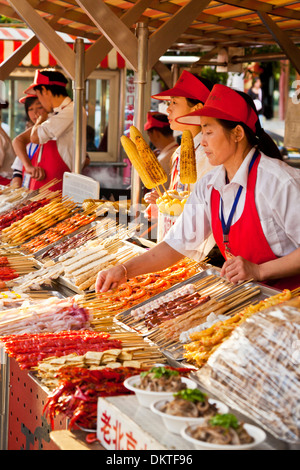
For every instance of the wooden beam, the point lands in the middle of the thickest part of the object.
(291, 50)
(266, 7)
(58, 48)
(16, 57)
(167, 34)
(99, 50)
(164, 73)
(115, 31)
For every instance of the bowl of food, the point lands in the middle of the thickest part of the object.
(188, 406)
(157, 383)
(223, 432)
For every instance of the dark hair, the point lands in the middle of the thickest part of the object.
(192, 102)
(55, 76)
(259, 138)
(166, 130)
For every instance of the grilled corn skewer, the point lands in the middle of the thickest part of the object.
(188, 170)
(133, 155)
(155, 171)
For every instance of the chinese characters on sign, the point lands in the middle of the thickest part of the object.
(117, 432)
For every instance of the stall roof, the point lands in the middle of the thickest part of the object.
(231, 23)
(39, 56)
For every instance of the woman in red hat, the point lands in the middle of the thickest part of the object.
(33, 109)
(249, 203)
(188, 94)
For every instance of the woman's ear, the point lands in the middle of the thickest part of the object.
(239, 133)
(197, 106)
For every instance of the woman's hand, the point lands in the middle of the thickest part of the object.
(238, 269)
(110, 278)
(36, 172)
(151, 197)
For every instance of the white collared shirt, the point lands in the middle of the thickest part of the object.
(277, 198)
(60, 127)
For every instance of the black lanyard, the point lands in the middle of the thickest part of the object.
(226, 225)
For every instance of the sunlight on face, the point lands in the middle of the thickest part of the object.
(178, 106)
(219, 145)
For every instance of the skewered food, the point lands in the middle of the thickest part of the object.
(32, 224)
(143, 159)
(187, 162)
(57, 232)
(205, 342)
(50, 315)
(29, 349)
(17, 214)
(134, 157)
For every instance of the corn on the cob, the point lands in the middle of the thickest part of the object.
(188, 170)
(134, 157)
(155, 171)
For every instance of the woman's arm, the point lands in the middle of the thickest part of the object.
(157, 258)
(238, 269)
(19, 144)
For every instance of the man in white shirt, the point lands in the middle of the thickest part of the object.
(50, 87)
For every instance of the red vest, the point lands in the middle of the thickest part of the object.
(246, 237)
(52, 163)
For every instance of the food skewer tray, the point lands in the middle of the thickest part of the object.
(67, 283)
(40, 252)
(175, 356)
(126, 314)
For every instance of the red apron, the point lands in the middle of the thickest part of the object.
(4, 181)
(52, 163)
(246, 237)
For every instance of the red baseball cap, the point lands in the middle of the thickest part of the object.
(187, 86)
(223, 103)
(154, 121)
(24, 98)
(41, 79)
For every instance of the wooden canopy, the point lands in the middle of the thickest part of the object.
(181, 25)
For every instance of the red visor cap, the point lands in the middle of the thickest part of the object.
(187, 86)
(41, 79)
(24, 98)
(223, 103)
(153, 122)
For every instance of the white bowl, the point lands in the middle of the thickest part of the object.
(258, 435)
(175, 424)
(146, 397)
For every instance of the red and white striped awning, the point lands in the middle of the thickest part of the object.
(12, 38)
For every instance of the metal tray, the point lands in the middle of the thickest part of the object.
(174, 354)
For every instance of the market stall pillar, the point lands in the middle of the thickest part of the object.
(78, 89)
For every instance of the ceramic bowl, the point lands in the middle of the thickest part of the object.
(146, 397)
(258, 435)
(175, 424)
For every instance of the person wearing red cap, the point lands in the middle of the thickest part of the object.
(54, 134)
(33, 109)
(188, 94)
(248, 203)
(161, 136)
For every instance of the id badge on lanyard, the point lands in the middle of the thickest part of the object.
(226, 225)
(27, 177)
